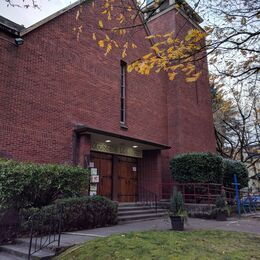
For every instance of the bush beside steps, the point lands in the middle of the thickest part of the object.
(78, 213)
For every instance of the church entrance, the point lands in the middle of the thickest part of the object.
(118, 176)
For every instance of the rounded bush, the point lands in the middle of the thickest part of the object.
(232, 167)
(77, 213)
(197, 167)
(24, 185)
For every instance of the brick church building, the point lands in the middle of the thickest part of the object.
(62, 101)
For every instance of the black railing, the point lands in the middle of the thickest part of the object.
(148, 198)
(45, 228)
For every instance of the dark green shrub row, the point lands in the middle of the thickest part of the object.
(207, 168)
(24, 185)
(77, 213)
(197, 167)
(232, 167)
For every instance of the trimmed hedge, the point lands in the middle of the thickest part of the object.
(24, 185)
(232, 167)
(197, 167)
(78, 213)
(208, 168)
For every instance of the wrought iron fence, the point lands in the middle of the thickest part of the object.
(199, 193)
(45, 229)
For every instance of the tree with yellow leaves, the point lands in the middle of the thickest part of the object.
(167, 53)
(232, 47)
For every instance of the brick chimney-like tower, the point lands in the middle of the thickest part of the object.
(190, 120)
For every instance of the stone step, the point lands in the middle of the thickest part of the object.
(139, 212)
(26, 241)
(148, 216)
(20, 250)
(7, 256)
(123, 208)
(133, 204)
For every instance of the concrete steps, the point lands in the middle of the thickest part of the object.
(7, 256)
(19, 250)
(128, 212)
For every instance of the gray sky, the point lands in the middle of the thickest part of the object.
(29, 16)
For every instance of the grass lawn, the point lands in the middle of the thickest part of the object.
(169, 245)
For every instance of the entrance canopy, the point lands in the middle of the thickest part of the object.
(107, 142)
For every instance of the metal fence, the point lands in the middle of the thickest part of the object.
(45, 229)
(199, 193)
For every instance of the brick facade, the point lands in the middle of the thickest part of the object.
(52, 83)
(190, 121)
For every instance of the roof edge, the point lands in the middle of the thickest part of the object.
(51, 17)
(10, 26)
(81, 129)
(16, 29)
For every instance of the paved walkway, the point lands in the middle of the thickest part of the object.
(250, 225)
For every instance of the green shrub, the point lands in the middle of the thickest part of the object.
(197, 167)
(24, 185)
(221, 206)
(176, 204)
(220, 202)
(78, 213)
(232, 167)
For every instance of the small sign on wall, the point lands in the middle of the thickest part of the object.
(134, 169)
(94, 178)
(93, 171)
(93, 187)
(91, 165)
(92, 193)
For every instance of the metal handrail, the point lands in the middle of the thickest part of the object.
(45, 229)
(149, 198)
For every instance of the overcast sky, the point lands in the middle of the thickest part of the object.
(29, 16)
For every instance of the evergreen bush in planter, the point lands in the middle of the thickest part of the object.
(177, 212)
(221, 211)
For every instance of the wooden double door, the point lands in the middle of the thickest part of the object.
(118, 176)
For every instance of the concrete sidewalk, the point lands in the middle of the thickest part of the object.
(249, 225)
(19, 250)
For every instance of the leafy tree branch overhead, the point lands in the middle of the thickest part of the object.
(232, 44)
(233, 29)
(120, 20)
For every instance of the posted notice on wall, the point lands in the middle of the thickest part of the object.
(94, 178)
(93, 171)
(92, 193)
(93, 187)
(91, 165)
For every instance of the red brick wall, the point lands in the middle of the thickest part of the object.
(150, 177)
(190, 120)
(53, 82)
